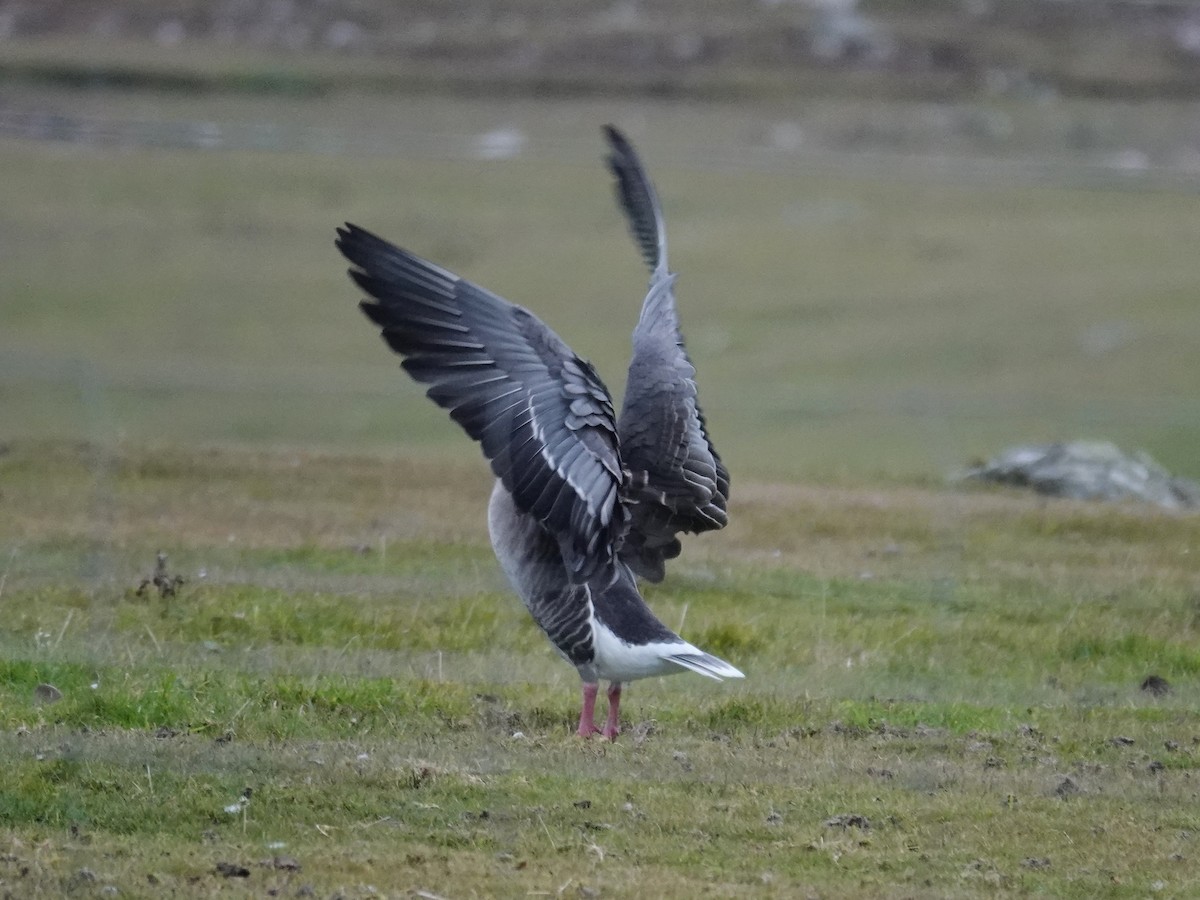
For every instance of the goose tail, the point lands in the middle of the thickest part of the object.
(705, 664)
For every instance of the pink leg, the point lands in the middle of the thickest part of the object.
(587, 717)
(611, 727)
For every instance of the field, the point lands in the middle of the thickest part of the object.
(943, 694)
(851, 315)
(950, 692)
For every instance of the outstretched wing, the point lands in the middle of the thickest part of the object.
(678, 482)
(541, 414)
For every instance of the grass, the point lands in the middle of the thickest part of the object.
(943, 694)
(343, 698)
(847, 322)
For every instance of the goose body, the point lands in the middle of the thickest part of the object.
(584, 503)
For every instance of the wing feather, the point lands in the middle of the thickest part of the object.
(637, 197)
(542, 416)
(678, 482)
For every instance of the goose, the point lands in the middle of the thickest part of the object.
(584, 503)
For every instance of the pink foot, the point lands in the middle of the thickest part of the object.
(612, 725)
(587, 716)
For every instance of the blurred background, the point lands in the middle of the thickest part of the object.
(909, 233)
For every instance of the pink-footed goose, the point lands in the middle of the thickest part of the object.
(583, 501)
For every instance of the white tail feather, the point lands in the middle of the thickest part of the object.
(619, 660)
(705, 664)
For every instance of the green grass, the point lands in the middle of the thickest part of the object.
(846, 324)
(182, 370)
(960, 670)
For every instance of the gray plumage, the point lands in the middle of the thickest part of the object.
(541, 414)
(582, 501)
(677, 477)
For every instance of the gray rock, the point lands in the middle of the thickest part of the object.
(842, 34)
(1089, 470)
(170, 33)
(344, 35)
(46, 693)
